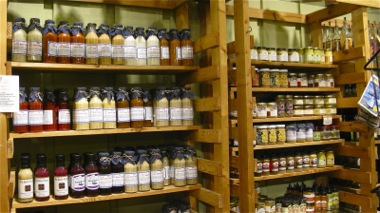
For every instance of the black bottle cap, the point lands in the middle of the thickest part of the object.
(60, 160)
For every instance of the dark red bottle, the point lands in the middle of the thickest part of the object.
(61, 186)
(92, 176)
(117, 170)
(77, 177)
(41, 181)
(105, 177)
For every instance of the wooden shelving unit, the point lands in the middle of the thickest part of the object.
(234, 122)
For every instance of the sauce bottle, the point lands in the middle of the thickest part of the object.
(34, 50)
(77, 47)
(77, 177)
(49, 42)
(143, 169)
(187, 48)
(129, 46)
(95, 109)
(19, 40)
(64, 116)
(187, 98)
(105, 177)
(61, 188)
(130, 172)
(164, 47)
(109, 108)
(156, 169)
(117, 171)
(148, 108)
(25, 180)
(152, 47)
(175, 48)
(81, 112)
(118, 56)
(50, 111)
(175, 107)
(137, 108)
(140, 46)
(104, 46)
(20, 118)
(92, 176)
(63, 46)
(36, 113)
(122, 106)
(41, 181)
(161, 108)
(92, 40)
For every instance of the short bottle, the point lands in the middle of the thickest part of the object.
(25, 180)
(77, 177)
(61, 184)
(92, 176)
(41, 181)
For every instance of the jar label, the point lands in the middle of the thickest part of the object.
(61, 186)
(272, 56)
(165, 52)
(130, 178)
(180, 173)
(291, 135)
(25, 188)
(19, 47)
(266, 167)
(178, 53)
(92, 181)
(77, 182)
(144, 177)
(141, 53)
(308, 111)
(274, 166)
(290, 164)
(48, 117)
(77, 50)
(282, 166)
(130, 52)
(109, 114)
(117, 51)
(187, 113)
(187, 52)
(153, 52)
(96, 114)
(148, 113)
(105, 181)
(162, 113)
(254, 55)
(81, 116)
(166, 172)
(104, 50)
(92, 51)
(330, 162)
(299, 163)
(63, 49)
(36, 117)
(52, 48)
(117, 179)
(123, 115)
(34, 48)
(175, 113)
(64, 116)
(157, 176)
(137, 113)
(330, 101)
(191, 172)
(283, 57)
(263, 55)
(20, 118)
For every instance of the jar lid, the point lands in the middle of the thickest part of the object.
(289, 96)
(298, 107)
(262, 127)
(264, 70)
(280, 125)
(298, 97)
(283, 70)
(309, 106)
(301, 74)
(320, 75)
(311, 76)
(308, 96)
(271, 103)
(329, 74)
(275, 70)
(292, 73)
(272, 126)
(318, 97)
(280, 96)
(330, 96)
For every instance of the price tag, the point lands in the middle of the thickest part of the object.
(327, 120)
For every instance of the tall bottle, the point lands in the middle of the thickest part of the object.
(336, 38)
(164, 46)
(187, 48)
(109, 108)
(95, 108)
(104, 46)
(50, 110)
(61, 184)
(34, 50)
(129, 46)
(123, 110)
(49, 42)
(118, 56)
(175, 107)
(187, 97)
(77, 177)
(77, 46)
(137, 108)
(36, 113)
(324, 36)
(130, 172)
(175, 47)
(81, 114)
(20, 118)
(105, 177)
(148, 108)
(92, 40)
(41, 181)
(346, 38)
(330, 37)
(117, 171)
(152, 47)
(63, 46)
(64, 115)
(92, 176)
(19, 40)
(140, 46)
(25, 180)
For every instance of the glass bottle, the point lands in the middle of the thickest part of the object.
(92, 40)
(49, 42)
(175, 107)
(122, 108)
(92, 176)
(64, 116)
(130, 172)
(129, 46)
(161, 107)
(61, 188)
(191, 166)
(95, 108)
(105, 177)
(41, 181)
(19, 40)
(148, 108)
(164, 47)
(179, 164)
(109, 108)
(63, 46)
(350, 36)
(187, 97)
(77, 177)
(175, 47)
(116, 33)
(36, 113)
(77, 46)
(140, 46)
(104, 46)
(137, 108)
(187, 48)
(152, 47)
(324, 36)
(50, 110)
(34, 50)
(117, 171)
(143, 170)
(156, 169)
(25, 180)
(330, 37)
(346, 38)
(81, 117)
(166, 165)
(20, 118)
(336, 38)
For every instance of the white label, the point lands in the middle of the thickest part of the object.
(104, 50)
(117, 51)
(180, 173)
(171, 172)
(291, 135)
(77, 182)
(42, 187)
(156, 176)
(109, 115)
(165, 52)
(19, 47)
(144, 177)
(162, 113)
(187, 52)
(166, 172)
(77, 50)
(63, 49)
(263, 55)
(137, 113)
(36, 117)
(187, 113)
(301, 134)
(123, 115)
(20, 118)
(141, 53)
(96, 115)
(178, 53)
(25, 189)
(294, 57)
(191, 172)
(105, 181)
(130, 51)
(52, 48)
(92, 181)
(131, 179)
(61, 186)
(81, 116)
(64, 116)
(272, 56)
(254, 55)
(327, 120)
(175, 113)
(92, 51)
(330, 101)
(34, 48)
(117, 179)
(153, 52)
(148, 113)
(48, 117)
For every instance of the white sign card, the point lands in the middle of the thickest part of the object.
(9, 93)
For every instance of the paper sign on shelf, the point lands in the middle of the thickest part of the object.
(327, 120)
(9, 93)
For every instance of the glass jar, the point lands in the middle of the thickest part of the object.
(298, 160)
(161, 107)
(291, 133)
(77, 46)
(325, 134)
(292, 80)
(309, 55)
(314, 159)
(148, 108)
(137, 108)
(175, 105)
(301, 133)
(175, 47)
(34, 50)
(290, 163)
(306, 161)
(272, 54)
(50, 110)
(280, 100)
(36, 113)
(274, 164)
(187, 48)
(274, 78)
(319, 110)
(308, 110)
(187, 98)
(281, 133)
(282, 164)
(272, 134)
(309, 132)
(92, 41)
(330, 99)
(317, 55)
(254, 54)
(20, 118)
(272, 110)
(317, 133)
(321, 159)
(152, 47)
(164, 46)
(156, 169)
(283, 77)
(282, 55)
(262, 137)
(95, 108)
(117, 41)
(308, 100)
(294, 55)
(255, 77)
(122, 108)
(298, 100)
(81, 115)
(262, 110)
(330, 109)
(105, 177)
(266, 166)
(263, 53)
(330, 80)
(19, 40)
(319, 100)
(322, 58)
(49, 42)
(104, 46)
(328, 56)
(310, 81)
(289, 106)
(319, 80)
(302, 56)
(302, 80)
(109, 108)
(298, 111)
(265, 80)
(330, 159)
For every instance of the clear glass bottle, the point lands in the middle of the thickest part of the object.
(92, 41)
(25, 180)
(49, 42)
(161, 107)
(95, 108)
(152, 47)
(109, 108)
(77, 46)
(140, 46)
(34, 50)
(118, 55)
(19, 40)
(336, 38)
(81, 116)
(104, 46)
(129, 46)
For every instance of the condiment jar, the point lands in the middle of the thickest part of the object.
(137, 108)
(282, 164)
(179, 164)
(130, 172)
(122, 108)
(254, 54)
(19, 40)
(290, 163)
(20, 118)
(104, 46)
(272, 134)
(152, 47)
(259, 167)
(42, 180)
(148, 108)
(156, 169)
(319, 100)
(105, 177)
(292, 80)
(298, 111)
(49, 42)
(274, 164)
(50, 110)
(61, 183)
(63, 46)
(175, 107)
(263, 53)
(298, 100)
(117, 172)
(161, 108)
(25, 180)
(143, 169)
(280, 100)
(272, 110)
(92, 175)
(321, 159)
(298, 159)
(81, 115)
(129, 46)
(320, 80)
(308, 110)
(302, 80)
(289, 106)
(34, 50)
(328, 56)
(314, 159)
(109, 108)
(187, 48)
(262, 135)
(291, 133)
(77, 46)
(316, 134)
(95, 109)
(301, 132)
(283, 77)
(281, 133)
(262, 110)
(317, 55)
(92, 41)
(118, 54)
(175, 48)
(36, 113)
(64, 114)
(330, 80)
(309, 132)
(272, 54)
(330, 158)
(266, 166)
(310, 81)
(294, 55)
(191, 166)
(187, 98)
(306, 161)
(164, 38)
(265, 80)
(309, 55)
(330, 99)
(77, 177)
(274, 78)
(282, 55)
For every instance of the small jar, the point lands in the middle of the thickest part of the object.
(330, 159)
(330, 109)
(294, 55)
(272, 54)
(301, 133)
(274, 78)
(283, 77)
(298, 111)
(290, 163)
(255, 77)
(254, 54)
(262, 53)
(317, 55)
(317, 133)
(308, 100)
(314, 159)
(321, 159)
(330, 99)
(270, 205)
(322, 59)
(319, 100)
(335, 132)
(330, 80)
(302, 56)
(274, 164)
(262, 135)
(298, 100)
(281, 133)
(325, 134)
(259, 168)
(266, 166)
(308, 110)
(282, 55)
(310, 81)
(282, 164)
(264, 75)
(262, 110)
(298, 160)
(292, 80)
(289, 106)
(291, 133)
(319, 110)
(328, 56)
(272, 110)
(319, 80)
(302, 80)
(272, 134)
(280, 100)
(309, 55)
(309, 132)
(306, 161)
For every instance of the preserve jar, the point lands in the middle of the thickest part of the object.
(156, 169)
(25, 180)
(19, 40)
(330, 80)
(301, 133)
(175, 47)
(104, 46)
(326, 133)
(281, 133)
(317, 133)
(290, 163)
(309, 132)
(283, 77)
(109, 108)
(317, 55)
(91, 175)
(282, 164)
(330, 109)
(282, 55)
(61, 182)
(191, 166)
(265, 80)
(308, 100)
(117, 172)
(274, 164)
(298, 100)
(34, 50)
(122, 108)
(187, 48)
(298, 111)
(314, 159)
(175, 107)
(302, 80)
(335, 132)
(105, 177)
(262, 110)
(263, 53)
(95, 106)
(49, 42)
(322, 57)
(50, 110)
(77, 46)
(129, 46)
(140, 46)
(92, 41)
(148, 108)
(259, 167)
(81, 117)
(64, 114)
(161, 107)
(306, 161)
(319, 100)
(187, 98)
(137, 107)
(36, 113)
(308, 110)
(280, 100)
(152, 47)
(319, 110)
(272, 110)
(289, 106)
(321, 159)
(130, 172)
(117, 40)
(262, 137)
(254, 54)
(272, 134)
(143, 169)
(63, 45)
(164, 38)
(272, 54)
(274, 78)
(294, 55)
(42, 180)
(266, 165)
(77, 177)
(298, 160)
(20, 118)
(292, 80)
(309, 55)
(291, 133)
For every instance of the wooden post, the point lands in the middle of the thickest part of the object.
(182, 16)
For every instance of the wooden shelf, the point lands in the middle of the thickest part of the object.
(290, 65)
(293, 174)
(53, 202)
(291, 89)
(377, 142)
(101, 131)
(233, 122)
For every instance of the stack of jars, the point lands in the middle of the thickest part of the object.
(305, 80)
(273, 77)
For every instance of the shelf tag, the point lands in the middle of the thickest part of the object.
(9, 93)
(327, 120)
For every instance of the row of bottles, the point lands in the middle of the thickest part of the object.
(337, 39)
(374, 36)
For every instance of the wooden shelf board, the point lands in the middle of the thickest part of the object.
(377, 142)
(292, 145)
(53, 202)
(233, 122)
(288, 64)
(291, 89)
(293, 174)
(101, 131)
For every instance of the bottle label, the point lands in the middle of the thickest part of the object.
(178, 53)
(77, 182)
(130, 179)
(92, 181)
(19, 47)
(42, 187)
(63, 49)
(330, 161)
(36, 117)
(92, 51)
(171, 172)
(48, 117)
(96, 115)
(141, 53)
(137, 113)
(191, 172)
(34, 48)
(157, 176)
(166, 172)
(104, 50)
(64, 116)
(25, 189)
(117, 179)
(290, 164)
(123, 115)
(175, 113)
(144, 177)
(148, 113)
(52, 48)
(130, 52)
(81, 116)
(77, 50)
(165, 52)
(109, 114)
(20, 118)
(117, 51)
(162, 113)
(180, 173)
(61, 186)
(153, 52)
(187, 52)
(187, 113)
(105, 181)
